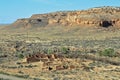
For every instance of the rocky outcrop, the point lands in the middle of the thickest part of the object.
(99, 16)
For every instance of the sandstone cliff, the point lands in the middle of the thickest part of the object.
(98, 17)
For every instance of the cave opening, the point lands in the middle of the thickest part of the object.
(106, 24)
(39, 20)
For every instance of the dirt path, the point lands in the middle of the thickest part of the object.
(10, 77)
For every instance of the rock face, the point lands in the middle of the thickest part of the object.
(99, 16)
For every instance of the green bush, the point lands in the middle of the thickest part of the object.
(36, 79)
(20, 56)
(108, 52)
(4, 79)
(65, 50)
(49, 51)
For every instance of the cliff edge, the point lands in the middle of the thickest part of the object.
(93, 17)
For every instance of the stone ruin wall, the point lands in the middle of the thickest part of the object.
(51, 61)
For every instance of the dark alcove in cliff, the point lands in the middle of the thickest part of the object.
(39, 20)
(106, 24)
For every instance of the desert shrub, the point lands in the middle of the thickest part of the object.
(44, 50)
(65, 50)
(88, 68)
(57, 78)
(20, 56)
(20, 72)
(4, 79)
(29, 66)
(20, 66)
(107, 52)
(3, 73)
(65, 66)
(49, 51)
(18, 63)
(12, 67)
(22, 76)
(37, 79)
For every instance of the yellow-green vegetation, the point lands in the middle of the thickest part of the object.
(108, 52)
(95, 51)
(58, 33)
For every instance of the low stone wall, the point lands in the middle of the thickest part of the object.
(51, 61)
